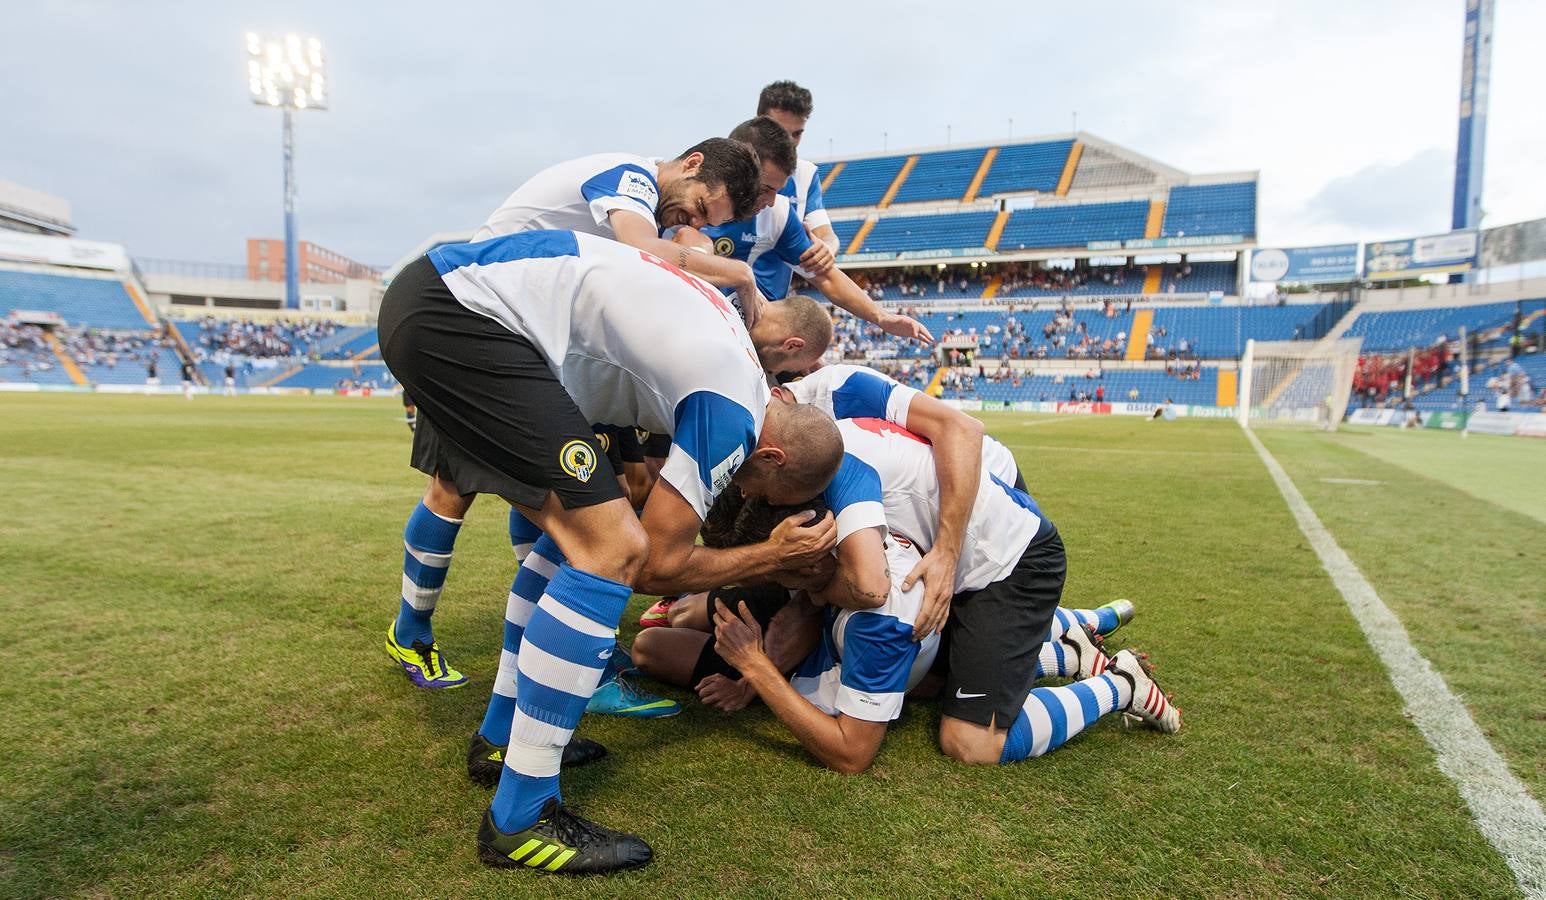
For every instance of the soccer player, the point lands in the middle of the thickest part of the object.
(775, 243)
(512, 348)
(960, 448)
(613, 195)
(790, 105)
(632, 198)
(843, 697)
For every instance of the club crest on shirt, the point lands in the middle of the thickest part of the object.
(578, 459)
(605, 440)
(724, 246)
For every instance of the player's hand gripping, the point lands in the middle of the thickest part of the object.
(725, 694)
(905, 326)
(818, 259)
(937, 571)
(799, 542)
(737, 636)
(753, 304)
(813, 577)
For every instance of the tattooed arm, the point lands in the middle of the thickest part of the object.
(862, 581)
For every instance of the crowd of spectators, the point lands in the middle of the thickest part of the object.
(1019, 276)
(220, 339)
(1379, 378)
(919, 283)
(25, 347)
(109, 348)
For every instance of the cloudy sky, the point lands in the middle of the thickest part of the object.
(138, 113)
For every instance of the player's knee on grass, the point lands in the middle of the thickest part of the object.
(970, 743)
(668, 654)
(691, 611)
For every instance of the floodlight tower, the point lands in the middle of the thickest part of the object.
(1471, 148)
(287, 73)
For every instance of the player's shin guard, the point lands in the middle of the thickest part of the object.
(427, 543)
(523, 535)
(1053, 715)
(564, 651)
(529, 585)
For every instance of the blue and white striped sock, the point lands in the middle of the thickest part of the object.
(427, 543)
(523, 535)
(1053, 715)
(1055, 662)
(564, 651)
(530, 583)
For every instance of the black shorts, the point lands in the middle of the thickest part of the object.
(493, 419)
(994, 635)
(763, 601)
(656, 445)
(631, 443)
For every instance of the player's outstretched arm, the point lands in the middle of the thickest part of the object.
(861, 581)
(957, 440)
(636, 231)
(842, 291)
(841, 743)
(676, 563)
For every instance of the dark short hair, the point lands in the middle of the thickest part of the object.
(734, 166)
(772, 143)
(787, 96)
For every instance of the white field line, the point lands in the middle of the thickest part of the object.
(1504, 811)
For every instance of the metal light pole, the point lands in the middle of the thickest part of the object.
(288, 74)
(292, 259)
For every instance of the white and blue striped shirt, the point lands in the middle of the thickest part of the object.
(635, 341)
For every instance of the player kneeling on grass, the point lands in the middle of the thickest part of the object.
(1009, 581)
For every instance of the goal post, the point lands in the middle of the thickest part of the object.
(1296, 382)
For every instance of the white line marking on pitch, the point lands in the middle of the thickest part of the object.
(1505, 812)
(1350, 481)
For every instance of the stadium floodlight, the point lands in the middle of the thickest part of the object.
(287, 73)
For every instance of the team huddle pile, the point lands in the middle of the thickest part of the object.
(606, 356)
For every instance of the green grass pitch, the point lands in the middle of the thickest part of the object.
(196, 701)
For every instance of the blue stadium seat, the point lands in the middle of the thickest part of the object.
(940, 176)
(1027, 167)
(863, 182)
(1402, 329)
(1211, 209)
(949, 231)
(89, 302)
(1074, 225)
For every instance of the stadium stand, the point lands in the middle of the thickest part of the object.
(862, 182)
(1073, 225)
(1115, 385)
(1401, 329)
(1026, 167)
(1212, 209)
(952, 230)
(320, 376)
(940, 176)
(93, 302)
(1101, 170)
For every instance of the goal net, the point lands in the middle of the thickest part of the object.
(1296, 382)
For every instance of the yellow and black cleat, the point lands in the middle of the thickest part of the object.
(561, 842)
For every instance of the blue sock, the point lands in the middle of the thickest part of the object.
(523, 535)
(530, 583)
(565, 649)
(1051, 716)
(427, 543)
(1105, 619)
